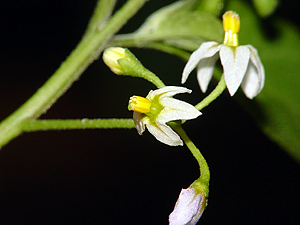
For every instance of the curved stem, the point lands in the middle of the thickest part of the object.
(84, 54)
(43, 125)
(213, 95)
(204, 178)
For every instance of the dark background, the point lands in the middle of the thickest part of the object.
(117, 176)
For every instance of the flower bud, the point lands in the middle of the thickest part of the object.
(111, 57)
(189, 207)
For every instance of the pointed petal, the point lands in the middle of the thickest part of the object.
(259, 66)
(139, 123)
(251, 83)
(205, 71)
(167, 91)
(206, 49)
(235, 62)
(164, 134)
(175, 109)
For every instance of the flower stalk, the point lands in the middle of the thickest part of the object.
(45, 125)
(213, 95)
(86, 52)
(203, 181)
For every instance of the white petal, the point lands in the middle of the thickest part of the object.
(259, 66)
(251, 84)
(188, 208)
(175, 109)
(206, 49)
(138, 121)
(164, 134)
(205, 71)
(167, 91)
(235, 62)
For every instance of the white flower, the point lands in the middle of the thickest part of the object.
(157, 109)
(189, 207)
(241, 64)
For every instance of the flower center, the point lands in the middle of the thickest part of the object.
(231, 26)
(139, 104)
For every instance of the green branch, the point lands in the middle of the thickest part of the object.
(82, 56)
(43, 125)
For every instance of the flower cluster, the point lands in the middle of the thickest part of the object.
(242, 67)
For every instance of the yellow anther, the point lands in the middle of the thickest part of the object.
(231, 26)
(139, 104)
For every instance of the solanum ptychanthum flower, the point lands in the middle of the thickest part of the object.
(159, 108)
(189, 207)
(241, 64)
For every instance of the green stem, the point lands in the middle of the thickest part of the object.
(203, 180)
(100, 16)
(213, 95)
(38, 125)
(82, 56)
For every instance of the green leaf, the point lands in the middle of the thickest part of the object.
(265, 7)
(176, 25)
(277, 107)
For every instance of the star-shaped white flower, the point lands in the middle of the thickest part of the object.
(159, 108)
(189, 207)
(241, 64)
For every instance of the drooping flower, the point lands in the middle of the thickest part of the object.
(241, 64)
(189, 207)
(159, 108)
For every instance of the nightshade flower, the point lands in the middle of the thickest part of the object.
(241, 64)
(189, 207)
(159, 108)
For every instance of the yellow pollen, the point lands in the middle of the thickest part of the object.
(139, 104)
(231, 26)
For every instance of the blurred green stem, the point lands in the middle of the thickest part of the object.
(81, 57)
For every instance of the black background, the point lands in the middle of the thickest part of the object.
(117, 176)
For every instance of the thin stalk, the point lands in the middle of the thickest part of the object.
(44, 125)
(81, 57)
(213, 95)
(204, 178)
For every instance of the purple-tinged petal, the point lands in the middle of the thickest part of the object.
(189, 208)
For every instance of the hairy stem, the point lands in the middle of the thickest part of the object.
(43, 125)
(81, 57)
